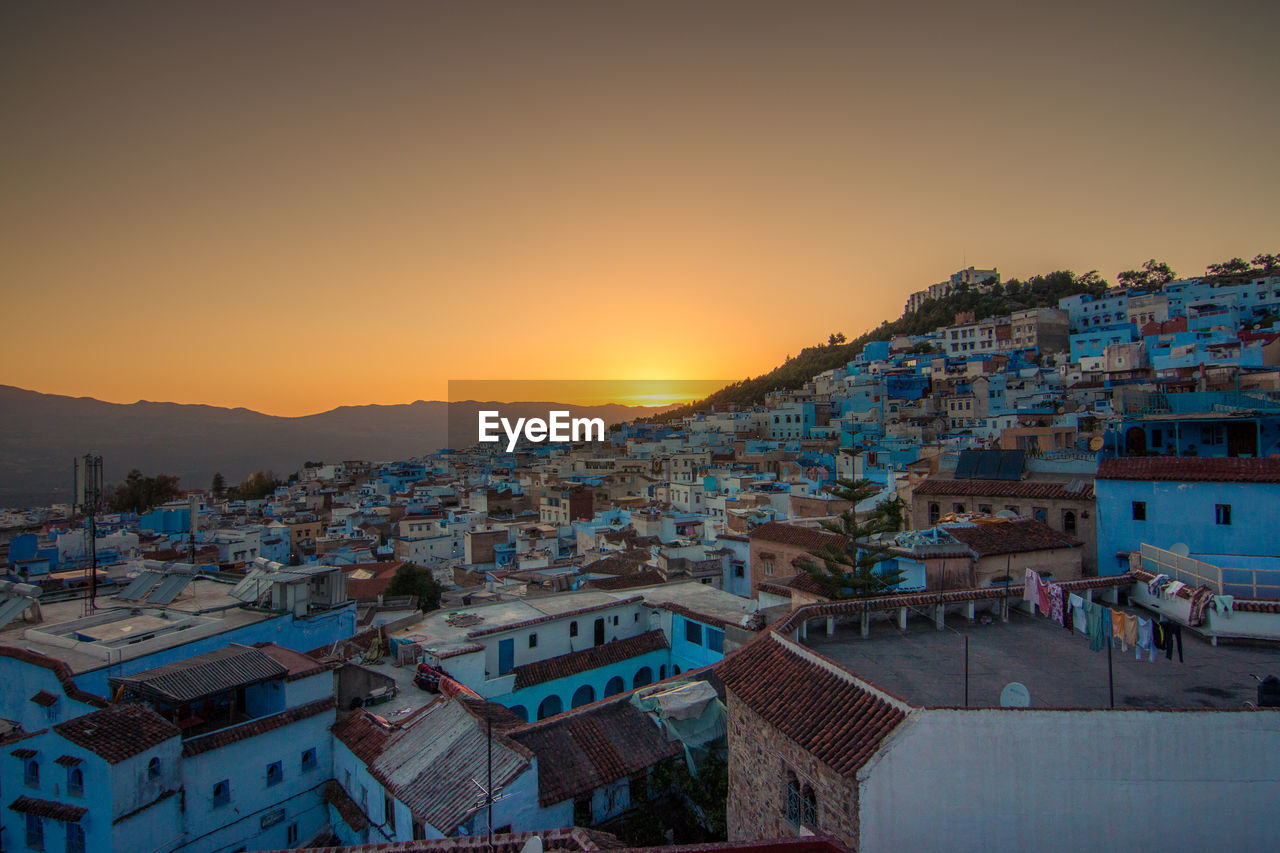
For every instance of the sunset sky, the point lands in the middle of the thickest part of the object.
(294, 206)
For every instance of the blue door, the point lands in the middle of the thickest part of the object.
(506, 655)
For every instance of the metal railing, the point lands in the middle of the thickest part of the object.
(1241, 583)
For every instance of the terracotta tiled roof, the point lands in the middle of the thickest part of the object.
(48, 808)
(60, 669)
(362, 734)
(808, 538)
(253, 728)
(1001, 489)
(584, 660)
(347, 809)
(1191, 469)
(879, 603)
(297, 664)
(24, 753)
(1011, 537)
(823, 709)
(579, 752)
(118, 732)
(44, 698)
(569, 840)
(68, 760)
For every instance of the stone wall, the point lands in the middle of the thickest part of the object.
(759, 758)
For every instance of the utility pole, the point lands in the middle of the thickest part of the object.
(87, 497)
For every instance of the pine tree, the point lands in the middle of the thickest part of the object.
(852, 569)
(219, 485)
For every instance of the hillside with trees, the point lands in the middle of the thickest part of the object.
(1041, 291)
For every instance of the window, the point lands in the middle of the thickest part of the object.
(1040, 514)
(35, 832)
(573, 629)
(693, 632)
(1139, 510)
(275, 773)
(934, 514)
(75, 781)
(291, 834)
(957, 508)
(1157, 438)
(533, 641)
(1013, 509)
(1222, 513)
(389, 812)
(1069, 523)
(793, 799)
(309, 759)
(738, 570)
(75, 838)
(715, 640)
(635, 617)
(984, 508)
(31, 773)
(808, 807)
(615, 620)
(221, 793)
(153, 768)
(768, 567)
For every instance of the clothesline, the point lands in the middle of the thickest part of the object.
(1101, 624)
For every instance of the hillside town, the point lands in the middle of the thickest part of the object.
(1062, 612)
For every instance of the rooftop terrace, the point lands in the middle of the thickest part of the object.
(925, 666)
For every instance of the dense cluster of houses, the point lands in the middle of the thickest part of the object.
(236, 674)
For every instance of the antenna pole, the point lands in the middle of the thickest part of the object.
(488, 794)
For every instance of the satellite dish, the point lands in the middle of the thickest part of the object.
(1015, 695)
(1180, 548)
(1096, 443)
(533, 845)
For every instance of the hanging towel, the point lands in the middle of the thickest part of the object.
(1224, 604)
(1079, 618)
(1117, 630)
(1042, 598)
(1145, 642)
(1153, 586)
(1171, 591)
(1131, 629)
(1030, 588)
(1200, 600)
(1099, 625)
(1055, 604)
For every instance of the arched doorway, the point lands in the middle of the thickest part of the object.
(643, 677)
(550, 707)
(519, 711)
(615, 686)
(582, 696)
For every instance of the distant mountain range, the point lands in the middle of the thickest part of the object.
(40, 434)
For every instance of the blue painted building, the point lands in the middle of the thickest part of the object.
(1222, 509)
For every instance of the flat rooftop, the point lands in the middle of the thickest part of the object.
(61, 634)
(925, 666)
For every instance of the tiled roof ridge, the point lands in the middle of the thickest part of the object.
(253, 728)
(1191, 469)
(1001, 488)
(591, 657)
(850, 606)
(498, 734)
(60, 670)
(840, 672)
